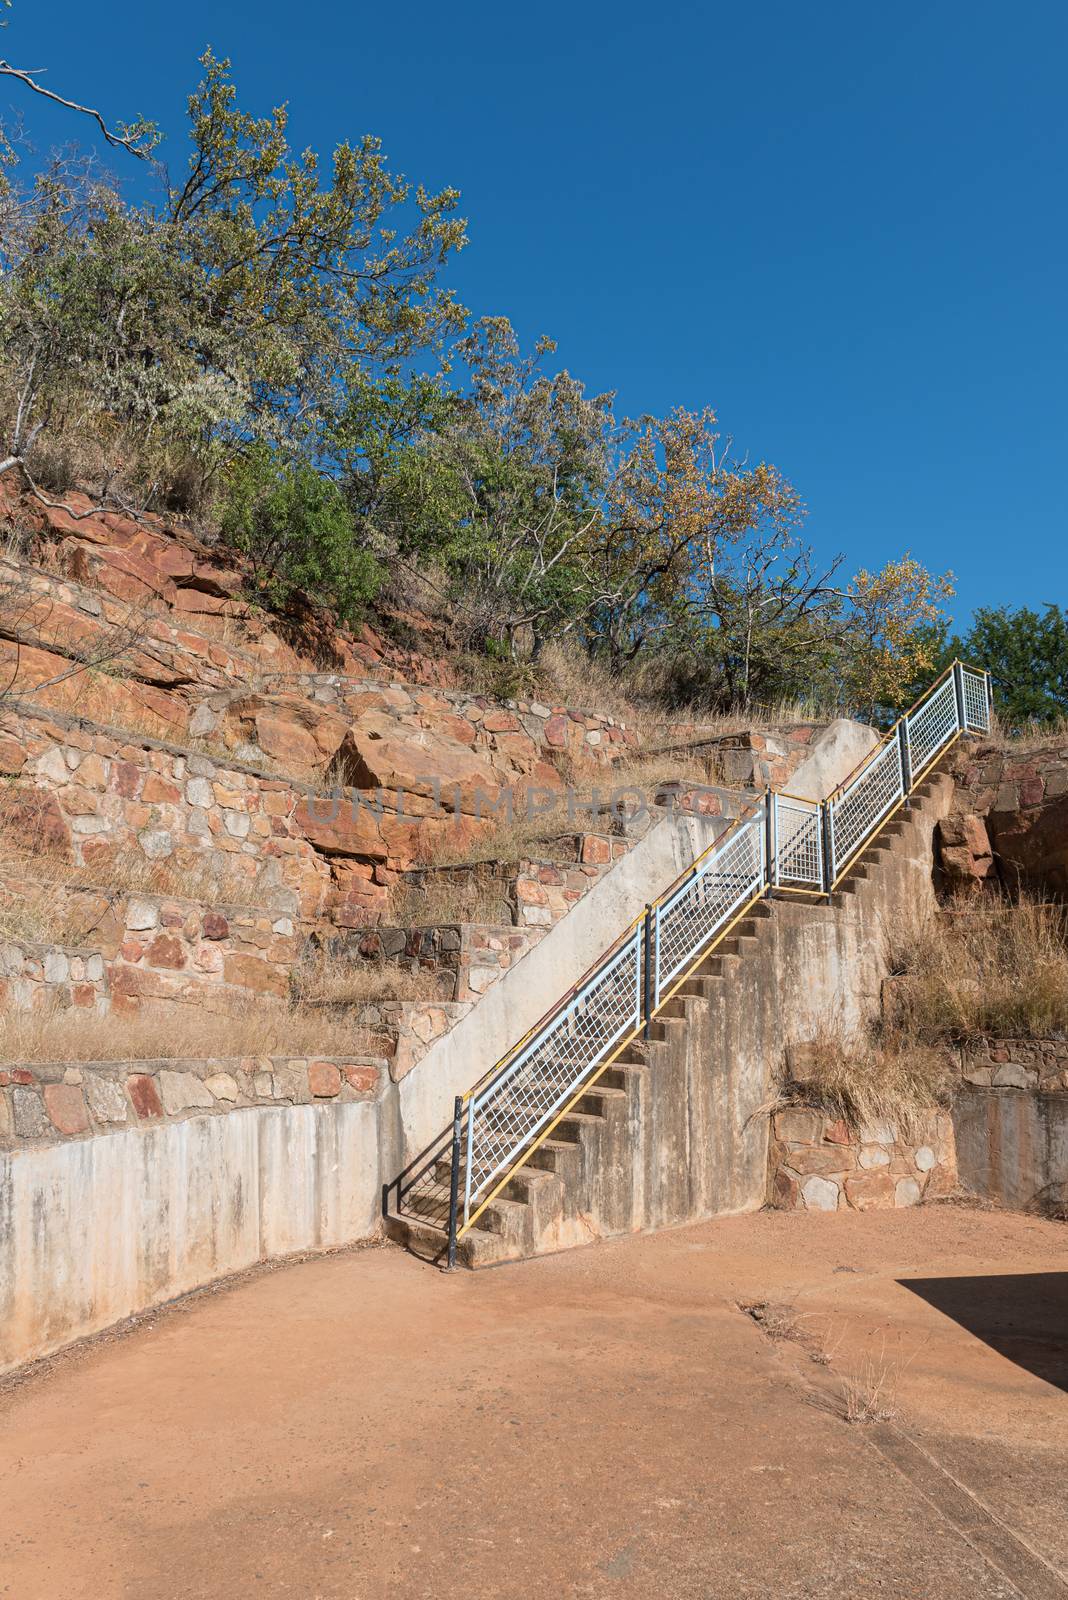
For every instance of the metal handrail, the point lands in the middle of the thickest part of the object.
(500, 1120)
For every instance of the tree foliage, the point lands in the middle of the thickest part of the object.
(251, 344)
(1027, 654)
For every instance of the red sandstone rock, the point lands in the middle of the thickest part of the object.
(65, 1105)
(324, 1079)
(165, 951)
(874, 1191)
(144, 1095)
(363, 1079)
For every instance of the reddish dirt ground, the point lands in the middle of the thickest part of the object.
(605, 1422)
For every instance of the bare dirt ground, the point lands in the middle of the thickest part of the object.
(606, 1422)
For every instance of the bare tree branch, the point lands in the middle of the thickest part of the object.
(140, 139)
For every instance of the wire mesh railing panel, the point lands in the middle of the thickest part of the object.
(976, 701)
(932, 724)
(727, 879)
(857, 810)
(798, 836)
(511, 1110)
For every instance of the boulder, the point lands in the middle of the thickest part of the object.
(381, 752)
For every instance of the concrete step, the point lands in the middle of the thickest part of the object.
(557, 1155)
(625, 1075)
(601, 1101)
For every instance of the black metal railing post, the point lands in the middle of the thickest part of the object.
(828, 847)
(906, 759)
(958, 694)
(454, 1179)
(649, 954)
(771, 844)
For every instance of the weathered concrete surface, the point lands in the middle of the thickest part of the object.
(536, 983)
(1012, 1147)
(841, 747)
(679, 1132)
(603, 1423)
(93, 1230)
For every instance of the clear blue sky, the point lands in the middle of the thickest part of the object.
(843, 226)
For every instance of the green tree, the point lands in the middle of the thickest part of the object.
(1027, 653)
(298, 533)
(243, 306)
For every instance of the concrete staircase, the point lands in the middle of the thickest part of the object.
(647, 1146)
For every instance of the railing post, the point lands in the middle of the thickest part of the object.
(958, 694)
(454, 1179)
(647, 985)
(828, 847)
(989, 700)
(771, 843)
(906, 757)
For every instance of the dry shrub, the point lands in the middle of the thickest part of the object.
(258, 1029)
(444, 898)
(983, 969)
(889, 1077)
(871, 1395)
(327, 980)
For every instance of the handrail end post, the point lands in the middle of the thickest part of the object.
(454, 1181)
(828, 849)
(647, 985)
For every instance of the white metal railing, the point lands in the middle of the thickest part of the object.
(785, 843)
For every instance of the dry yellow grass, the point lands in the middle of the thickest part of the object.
(565, 674)
(984, 968)
(444, 898)
(891, 1076)
(325, 980)
(259, 1030)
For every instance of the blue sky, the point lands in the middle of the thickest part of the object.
(842, 226)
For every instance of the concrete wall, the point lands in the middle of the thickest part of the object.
(95, 1229)
(533, 986)
(1012, 1147)
(510, 1008)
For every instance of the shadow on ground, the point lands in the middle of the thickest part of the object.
(1021, 1315)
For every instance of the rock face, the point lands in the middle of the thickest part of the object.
(432, 764)
(1010, 820)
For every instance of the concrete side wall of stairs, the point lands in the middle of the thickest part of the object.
(676, 1131)
(532, 987)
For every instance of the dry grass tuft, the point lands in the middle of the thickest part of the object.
(327, 980)
(444, 898)
(890, 1077)
(261, 1029)
(983, 969)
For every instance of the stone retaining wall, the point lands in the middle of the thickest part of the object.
(1040, 1064)
(41, 1103)
(36, 977)
(816, 1162)
(523, 729)
(98, 792)
(157, 948)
